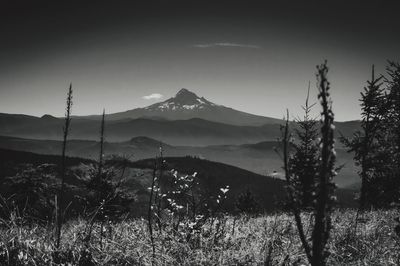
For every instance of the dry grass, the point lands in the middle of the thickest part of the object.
(229, 241)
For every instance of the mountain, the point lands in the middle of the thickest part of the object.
(187, 105)
(45, 127)
(259, 158)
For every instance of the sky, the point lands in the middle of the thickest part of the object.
(253, 56)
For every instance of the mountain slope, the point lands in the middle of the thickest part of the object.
(270, 192)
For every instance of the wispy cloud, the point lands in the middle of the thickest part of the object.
(226, 44)
(153, 96)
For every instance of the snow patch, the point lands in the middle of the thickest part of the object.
(200, 101)
(190, 107)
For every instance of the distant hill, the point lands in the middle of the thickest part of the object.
(11, 157)
(260, 158)
(192, 132)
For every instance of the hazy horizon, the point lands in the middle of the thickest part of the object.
(255, 57)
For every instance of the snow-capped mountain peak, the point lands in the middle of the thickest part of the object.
(183, 100)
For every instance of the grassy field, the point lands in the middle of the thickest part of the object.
(225, 241)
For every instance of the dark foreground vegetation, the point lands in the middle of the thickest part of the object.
(57, 210)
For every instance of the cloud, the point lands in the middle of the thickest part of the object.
(153, 96)
(226, 44)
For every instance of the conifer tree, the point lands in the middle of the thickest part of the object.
(246, 203)
(392, 128)
(367, 142)
(304, 162)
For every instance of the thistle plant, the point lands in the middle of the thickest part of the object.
(60, 209)
(325, 188)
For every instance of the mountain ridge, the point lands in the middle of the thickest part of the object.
(190, 132)
(260, 158)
